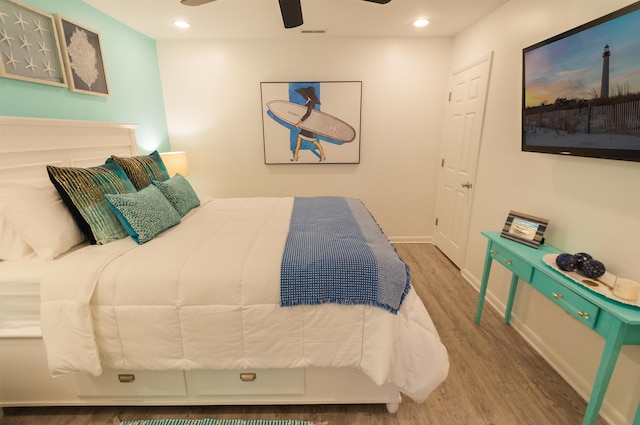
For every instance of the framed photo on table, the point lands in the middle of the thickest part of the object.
(525, 229)
(82, 53)
(29, 45)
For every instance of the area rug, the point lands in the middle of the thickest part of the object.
(214, 422)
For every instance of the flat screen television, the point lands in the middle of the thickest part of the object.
(581, 90)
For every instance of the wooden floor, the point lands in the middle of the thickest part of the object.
(495, 377)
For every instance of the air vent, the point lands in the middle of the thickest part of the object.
(313, 31)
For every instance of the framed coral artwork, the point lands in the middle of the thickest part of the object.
(29, 46)
(82, 54)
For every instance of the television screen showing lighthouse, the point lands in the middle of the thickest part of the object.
(581, 89)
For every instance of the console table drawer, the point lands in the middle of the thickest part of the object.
(512, 262)
(571, 302)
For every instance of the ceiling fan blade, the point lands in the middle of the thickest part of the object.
(291, 13)
(195, 2)
(379, 1)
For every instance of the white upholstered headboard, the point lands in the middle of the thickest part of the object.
(28, 144)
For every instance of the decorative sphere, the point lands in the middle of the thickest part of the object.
(592, 269)
(581, 257)
(566, 262)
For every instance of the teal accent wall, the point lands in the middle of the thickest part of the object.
(133, 77)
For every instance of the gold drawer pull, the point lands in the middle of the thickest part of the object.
(493, 251)
(247, 377)
(507, 261)
(126, 378)
(583, 314)
(557, 296)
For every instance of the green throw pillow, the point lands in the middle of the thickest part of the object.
(179, 193)
(144, 214)
(83, 189)
(144, 169)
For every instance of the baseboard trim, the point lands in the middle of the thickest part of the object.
(410, 239)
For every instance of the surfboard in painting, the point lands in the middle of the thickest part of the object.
(318, 122)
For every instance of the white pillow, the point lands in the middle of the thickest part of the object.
(12, 247)
(37, 214)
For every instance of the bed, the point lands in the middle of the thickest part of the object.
(220, 306)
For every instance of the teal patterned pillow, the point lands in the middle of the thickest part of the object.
(145, 214)
(144, 169)
(83, 189)
(179, 193)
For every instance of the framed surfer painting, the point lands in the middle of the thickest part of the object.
(311, 122)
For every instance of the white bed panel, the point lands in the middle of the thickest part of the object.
(28, 144)
(20, 293)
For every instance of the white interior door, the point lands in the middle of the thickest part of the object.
(461, 145)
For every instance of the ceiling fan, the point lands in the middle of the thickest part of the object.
(291, 10)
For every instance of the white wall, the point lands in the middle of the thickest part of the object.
(213, 104)
(593, 204)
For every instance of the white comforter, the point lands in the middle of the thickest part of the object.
(205, 295)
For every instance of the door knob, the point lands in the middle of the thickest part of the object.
(468, 185)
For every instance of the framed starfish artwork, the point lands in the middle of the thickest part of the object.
(82, 53)
(29, 46)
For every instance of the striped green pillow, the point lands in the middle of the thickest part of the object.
(83, 189)
(144, 169)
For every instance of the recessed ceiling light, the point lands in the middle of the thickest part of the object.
(182, 24)
(420, 23)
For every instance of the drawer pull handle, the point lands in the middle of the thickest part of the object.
(126, 378)
(493, 251)
(557, 296)
(247, 377)
(507, 261)
(583, 314)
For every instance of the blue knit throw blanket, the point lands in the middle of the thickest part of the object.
(336, 253)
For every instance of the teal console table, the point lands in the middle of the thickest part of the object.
(617, 323)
